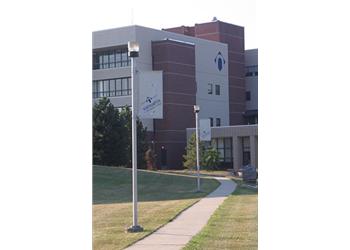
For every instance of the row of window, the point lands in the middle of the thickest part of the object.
(251, 70)
(111, 59)
(218, 122)
(210, 89)
(111, 87)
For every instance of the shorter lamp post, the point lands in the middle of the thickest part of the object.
(196, 111)
(133, 49)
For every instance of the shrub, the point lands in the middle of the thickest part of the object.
(210, 159)
(190, 158)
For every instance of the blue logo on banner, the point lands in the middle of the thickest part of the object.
(220, 61)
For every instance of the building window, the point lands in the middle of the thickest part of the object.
(252, 119)
(111, 59)
(247, 96)
(251, 71)
(111, 87)
(218, 122)
(217, 89)
(211, 121)
(224, 148)
(210, 88)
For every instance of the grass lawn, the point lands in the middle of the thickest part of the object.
(204, 173)
(162, 197)
(234, 225)
(222, 173)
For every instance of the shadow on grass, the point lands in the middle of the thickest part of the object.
(114, 185)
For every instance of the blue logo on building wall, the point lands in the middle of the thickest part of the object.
(219, 61)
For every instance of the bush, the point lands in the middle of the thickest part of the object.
(210, 159)
(190, 158)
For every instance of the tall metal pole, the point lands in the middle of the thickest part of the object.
(197, 153)
(135, 227)
(134, 144)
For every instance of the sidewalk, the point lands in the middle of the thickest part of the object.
(178, 232)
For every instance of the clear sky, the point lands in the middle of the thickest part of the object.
(163, 14)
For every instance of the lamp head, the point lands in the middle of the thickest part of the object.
(196, 108)
(133, 49)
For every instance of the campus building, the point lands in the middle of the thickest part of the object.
(201, 65)
(251, 85)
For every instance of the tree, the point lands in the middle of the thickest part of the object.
(125, 117)
(108, 134)
(112, 136)
(211, 159)
(142, 146)
(190, 158)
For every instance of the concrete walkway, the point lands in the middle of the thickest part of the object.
(178, 232)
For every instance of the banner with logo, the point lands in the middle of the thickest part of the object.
(151, 95)
(204, 130)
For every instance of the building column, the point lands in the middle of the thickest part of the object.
(252, 144)
(256, 151)
(237, 153)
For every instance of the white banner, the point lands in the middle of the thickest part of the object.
(151, 95)
(204, 130)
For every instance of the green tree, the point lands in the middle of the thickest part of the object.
(112, 136)
(190, 158)
(108, 134)
(211, 159)
(142, 145)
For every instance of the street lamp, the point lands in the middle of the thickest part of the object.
(196, 109)
(133, 51)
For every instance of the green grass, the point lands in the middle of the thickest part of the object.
(234, 225)
(221, 173)
(204, 173)
(162, 197)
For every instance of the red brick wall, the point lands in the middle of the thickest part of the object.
(185, 30)
(177, 61)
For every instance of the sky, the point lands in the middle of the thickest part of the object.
(164, 14)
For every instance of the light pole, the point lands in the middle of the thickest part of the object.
(196, 111)
(133, 50)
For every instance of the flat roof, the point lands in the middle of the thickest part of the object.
(186, 37)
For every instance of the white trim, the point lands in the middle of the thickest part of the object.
(178, 41)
